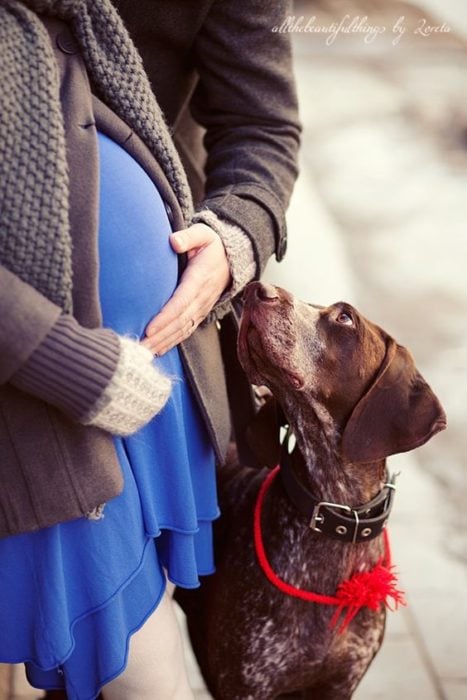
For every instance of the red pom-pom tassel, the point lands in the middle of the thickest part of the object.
(369, 589)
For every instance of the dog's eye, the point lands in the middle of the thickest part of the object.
(345, 319)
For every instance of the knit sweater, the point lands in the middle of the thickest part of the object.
(32, 148)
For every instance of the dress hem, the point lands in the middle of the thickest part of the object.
(84, 615)
(182, 531)
(114, 675)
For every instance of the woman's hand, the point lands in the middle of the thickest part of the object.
(203, 281)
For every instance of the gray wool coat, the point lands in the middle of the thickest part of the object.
(223, 76)
(53, 469)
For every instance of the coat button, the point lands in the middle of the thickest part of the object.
(66, 43)
(170, 213)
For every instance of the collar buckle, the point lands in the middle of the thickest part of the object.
(316, 517)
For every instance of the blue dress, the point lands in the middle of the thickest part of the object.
(71, 595)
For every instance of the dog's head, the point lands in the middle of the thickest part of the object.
(335, 358)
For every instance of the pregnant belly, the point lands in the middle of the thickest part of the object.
(138, 268)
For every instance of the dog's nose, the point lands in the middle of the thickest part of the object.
(260, 292)
(266, 292)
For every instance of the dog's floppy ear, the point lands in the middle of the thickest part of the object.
(398, 412)
(263, 434)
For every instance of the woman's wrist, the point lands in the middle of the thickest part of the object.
(238, 248)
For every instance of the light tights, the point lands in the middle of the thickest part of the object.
(156, 667)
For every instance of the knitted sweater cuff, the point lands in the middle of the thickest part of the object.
(71, 367)
(240, 256)
(137, 391)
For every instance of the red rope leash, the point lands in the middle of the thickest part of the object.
(368, 589)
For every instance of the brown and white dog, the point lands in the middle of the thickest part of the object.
(352, 396)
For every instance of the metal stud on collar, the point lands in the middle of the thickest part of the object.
(287, 437)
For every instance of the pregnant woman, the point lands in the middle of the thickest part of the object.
(105, 497)
(113, 404)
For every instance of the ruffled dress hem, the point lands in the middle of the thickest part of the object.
(114, 674)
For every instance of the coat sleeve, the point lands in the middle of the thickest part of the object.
(93, 375)
(48, 354)
(246, 101)
(26, 317)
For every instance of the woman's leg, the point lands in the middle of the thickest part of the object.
(156, 666)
